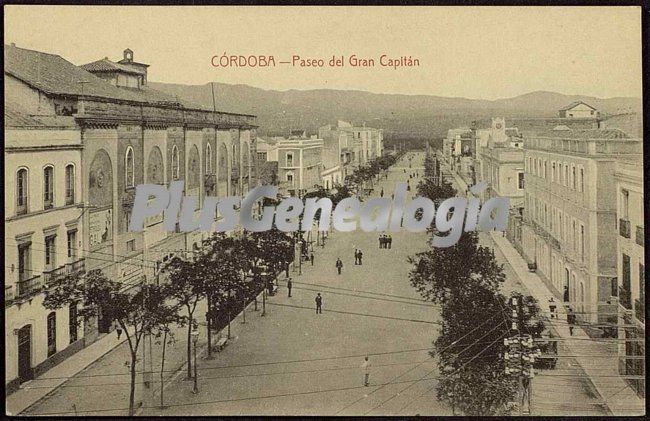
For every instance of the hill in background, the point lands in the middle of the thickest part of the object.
(403, 117)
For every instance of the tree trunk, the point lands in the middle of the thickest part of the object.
(244, 310)
(264, 301)
(209, 324)
(189, 349)
(134, 357)
(162, 370)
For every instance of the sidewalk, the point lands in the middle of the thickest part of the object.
(26, 396)
(614, 391)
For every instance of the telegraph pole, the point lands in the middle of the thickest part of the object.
(521, 355)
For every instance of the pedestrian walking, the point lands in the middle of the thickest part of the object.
(319, 304)
(571, 320)
(389, 240)
(360, 257)
(381, 241)
(366, 371)
(566, 293)
(552, 307)
(118, 329)
(311, 258)
(382, 192)
(356, 256)
(339, 265)
(289, 285)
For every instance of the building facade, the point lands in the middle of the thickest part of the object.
(631, 268)
(115, 133)
(299, 163)
(570, 211)
(43, 239)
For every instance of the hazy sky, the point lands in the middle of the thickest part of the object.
(473, 52)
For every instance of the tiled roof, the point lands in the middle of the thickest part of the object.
(52, 74)
(575, 104)
(105, 65)
(17, 117)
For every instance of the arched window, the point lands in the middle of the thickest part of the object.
(48, 187)
(208, 159)
(290, 179)
(69, 184)
(175, 163)
(22, 191)
(51, 334)
(129, 168)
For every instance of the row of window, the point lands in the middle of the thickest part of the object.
(563, 278)
(129, 164)
(562, 173)
(569, 230)
(25, 254)
(493, 173)
(22, 188)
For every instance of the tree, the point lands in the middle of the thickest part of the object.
(186, 285)
(225, 267)
(465, 279)
(266, 251)
(138, 310)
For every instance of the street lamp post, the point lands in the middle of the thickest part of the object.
(195, 340)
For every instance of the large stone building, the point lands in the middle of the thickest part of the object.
(102, 127)
(570, 210)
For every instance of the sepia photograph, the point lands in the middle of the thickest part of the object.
(247, 210)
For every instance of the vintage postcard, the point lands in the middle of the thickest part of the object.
(323, 210)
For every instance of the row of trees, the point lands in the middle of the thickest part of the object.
(228, 272)
(367, 172)
(465, 280)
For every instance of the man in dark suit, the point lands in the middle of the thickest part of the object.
(319, 304)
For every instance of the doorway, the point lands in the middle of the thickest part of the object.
(25, 371)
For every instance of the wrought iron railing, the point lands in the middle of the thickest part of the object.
(640, 235)
(9, 293)
(625, 298)
(639, 310)
(29, 286)
(624, 227)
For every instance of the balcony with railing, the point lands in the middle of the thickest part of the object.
(625, 298)
(28, 286)
(53, 276)
(640, 235)
(639, 310)
(9, 293)
(624, 228)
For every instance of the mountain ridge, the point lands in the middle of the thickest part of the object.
(402, 116)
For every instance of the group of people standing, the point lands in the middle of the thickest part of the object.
(385, 241)
(358, 257)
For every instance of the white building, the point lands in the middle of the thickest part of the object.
(578, 109)
(43, 239)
